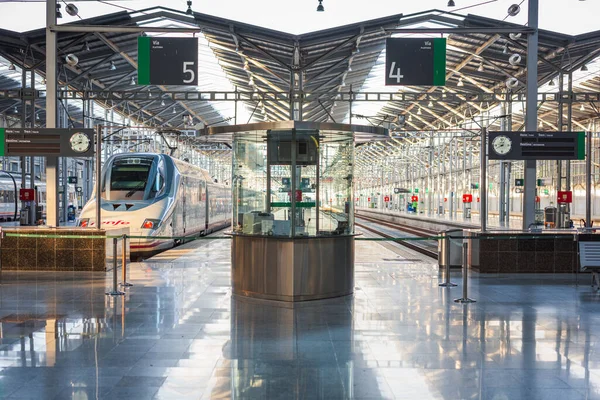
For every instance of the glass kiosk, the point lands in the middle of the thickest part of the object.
(293, 214)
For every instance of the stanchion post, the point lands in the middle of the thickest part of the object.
(115, 291)
(124, 262)
(447, 282)
(465, 299)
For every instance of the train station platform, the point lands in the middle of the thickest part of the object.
(179, 334)
(448, 221)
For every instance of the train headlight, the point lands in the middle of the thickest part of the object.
(151, 224)
(84, 222)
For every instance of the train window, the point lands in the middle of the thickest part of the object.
(159, 184)
(128, 180)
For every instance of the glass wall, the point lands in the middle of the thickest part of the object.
(293, 183)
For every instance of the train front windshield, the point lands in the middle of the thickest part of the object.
(133, 178)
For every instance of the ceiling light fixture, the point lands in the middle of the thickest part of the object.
(410, 118)
(514, 36)
(582, 107)
(419, 112)
(162, 102)
(112, 66)
(505, 48)
(11, 67)
(132, 81)
(189, 9)
(515, 59)
(551, 83)
(174, 112)
(320, 7)
(541, 125)
(512, 83)
(87, 46)
(72, 59)
(451, 3)
(480, 68)
(584, 68)
(460, 82)
(58, 13)
(430, 104)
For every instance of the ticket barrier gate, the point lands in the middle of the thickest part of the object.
(467, 202)
(564, 216)
(467, 210)
(550, 217)
(24, 217)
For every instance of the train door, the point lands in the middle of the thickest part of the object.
(183, 202)
(206, 209)
(201, 207)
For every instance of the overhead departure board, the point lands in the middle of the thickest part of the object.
(46, 142)
(167, 61)
(536, 145)
(411, 62)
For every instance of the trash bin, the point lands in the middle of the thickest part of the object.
(455, 248)
(24, 217)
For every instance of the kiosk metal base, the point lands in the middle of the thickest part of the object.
(292, 269)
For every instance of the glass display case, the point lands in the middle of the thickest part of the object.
(293, 182)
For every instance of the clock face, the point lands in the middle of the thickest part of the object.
(501, 144)
(80, 142)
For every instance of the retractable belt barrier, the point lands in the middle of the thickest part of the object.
(115, 238)
(192, 238)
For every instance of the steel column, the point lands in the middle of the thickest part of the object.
(588, 181)
(51, 162)
(34, 202)
(98, 177)
(483, 178)
(531, 113)
(502, 204)
(560, 128)
(569, 129)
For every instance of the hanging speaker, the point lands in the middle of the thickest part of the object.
(512, 83)
(515, 59)
(514, 10)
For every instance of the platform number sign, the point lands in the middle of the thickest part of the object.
(415, 62)
(167, 61)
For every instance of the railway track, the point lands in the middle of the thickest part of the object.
(425, 247)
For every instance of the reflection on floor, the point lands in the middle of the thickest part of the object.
(178, 334)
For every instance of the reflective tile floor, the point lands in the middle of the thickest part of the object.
(178, 334)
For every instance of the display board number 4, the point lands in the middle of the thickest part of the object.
(395, 72)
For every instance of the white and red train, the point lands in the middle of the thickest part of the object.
(163, 199)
